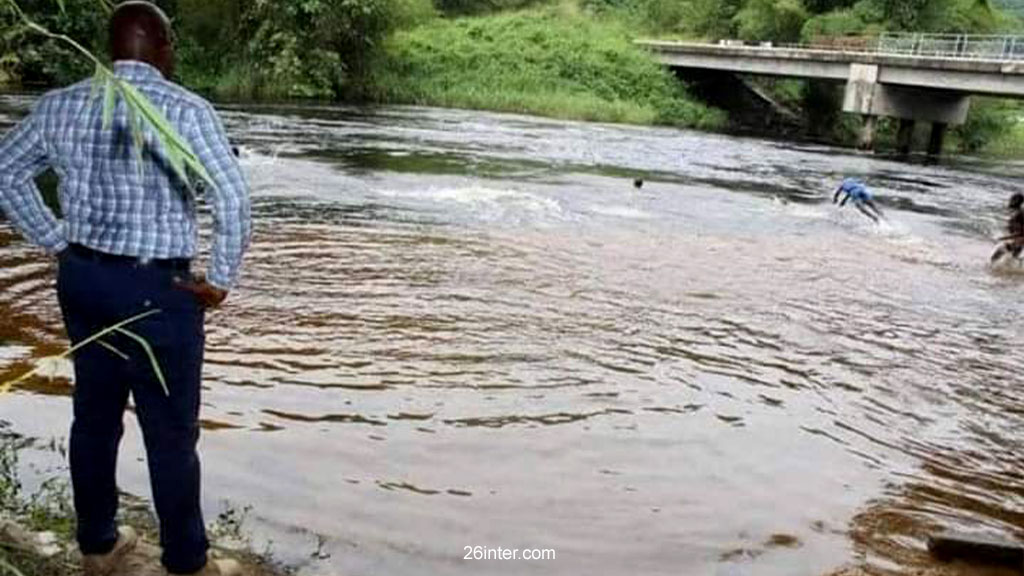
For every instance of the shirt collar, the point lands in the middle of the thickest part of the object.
(136, 70)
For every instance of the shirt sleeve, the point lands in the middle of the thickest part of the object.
(229, 198)
(22, 158)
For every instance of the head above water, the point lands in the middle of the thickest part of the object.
(141, 31)
(1016, 201)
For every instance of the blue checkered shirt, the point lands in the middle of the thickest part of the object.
(109, 205)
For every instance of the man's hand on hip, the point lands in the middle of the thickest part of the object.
(209, 296)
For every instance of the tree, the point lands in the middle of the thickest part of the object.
(315, 48)
(774, 20)
(32, 58)
(903, 14)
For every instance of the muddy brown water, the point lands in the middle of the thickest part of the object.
(461, 329)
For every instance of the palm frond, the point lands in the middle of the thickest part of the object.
(152, 357)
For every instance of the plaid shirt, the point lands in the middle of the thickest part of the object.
(108, 204)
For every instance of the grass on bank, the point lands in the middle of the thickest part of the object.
(1008, 144)
(551, 61)
(48, 509)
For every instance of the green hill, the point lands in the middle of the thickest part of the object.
(1015, 7)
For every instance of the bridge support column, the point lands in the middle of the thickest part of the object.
(865, 95)
(867, 133)
(937, 139)
(905, 137)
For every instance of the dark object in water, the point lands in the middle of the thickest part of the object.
(638, 183)
(234, 150)
(976, 549)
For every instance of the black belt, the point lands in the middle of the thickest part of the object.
(80, 251)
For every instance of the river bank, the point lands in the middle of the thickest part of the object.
(37, 523)
(566, 61)
(459, 328)
(556, 62)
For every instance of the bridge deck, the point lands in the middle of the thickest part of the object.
(978, 76)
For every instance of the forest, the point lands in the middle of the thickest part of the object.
(562, 58)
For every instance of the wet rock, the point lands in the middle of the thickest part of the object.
(14, 535)
(47, 544)
(977, 549)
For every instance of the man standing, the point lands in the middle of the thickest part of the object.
(124, 247)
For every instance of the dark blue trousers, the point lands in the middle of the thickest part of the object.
(96, 292)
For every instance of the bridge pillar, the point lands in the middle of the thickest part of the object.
(866, 96)
(938, 137)
(905, 137)
(867, 133)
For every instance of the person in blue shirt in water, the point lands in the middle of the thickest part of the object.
(854, 189)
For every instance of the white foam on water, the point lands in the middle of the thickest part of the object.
(489, 204)
(895, 237)
(908, 246)
(809, 212)
(1008, 266)
(620, 211)
(9, 354)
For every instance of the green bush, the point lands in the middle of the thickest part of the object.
(314, 47)
(405, 14)
(960, 17)
(775, 20)
(33, 59)
(862, 19)
(477, 7)
(320, 48)
(989, 120)
(542, 61)
(711, 19)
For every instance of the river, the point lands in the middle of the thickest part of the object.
(462, 329)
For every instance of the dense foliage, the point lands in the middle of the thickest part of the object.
(569, 58)
(281, 48)
(551, 61)
(791, 20)
(27, 57)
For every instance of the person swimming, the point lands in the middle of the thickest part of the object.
(862, 198)
(1013, 242)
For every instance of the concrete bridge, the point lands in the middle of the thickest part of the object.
(915, 77)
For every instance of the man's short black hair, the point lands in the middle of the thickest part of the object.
(1016, 201)
(138, 22)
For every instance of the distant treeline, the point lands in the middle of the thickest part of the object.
(1015, 7)
(565, 58)
(307, 48)
(323, 48)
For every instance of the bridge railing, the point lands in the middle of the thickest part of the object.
(947, 46)
(958, 46)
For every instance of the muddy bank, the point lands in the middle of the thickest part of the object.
(36, 540)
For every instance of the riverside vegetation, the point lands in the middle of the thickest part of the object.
(563, 58)
(37, 529)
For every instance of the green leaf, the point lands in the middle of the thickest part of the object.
(138, 136)
(97, 83)
(63, 9)
(6, 386)
(109, 104)
(173, 144)
(152, 357)
(106, 331)
(110, 347)
(177, 161)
